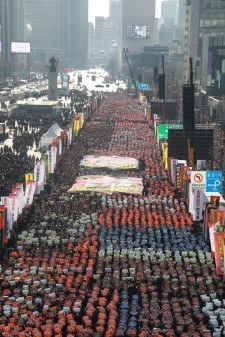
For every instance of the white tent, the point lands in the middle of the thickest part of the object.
(51, 134)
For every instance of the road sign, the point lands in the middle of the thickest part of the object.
(198, 177)
(132, 84)
(198, 180)
(163, 129)
(143, 86)
(213, 181)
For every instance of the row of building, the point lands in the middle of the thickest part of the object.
(186, 28)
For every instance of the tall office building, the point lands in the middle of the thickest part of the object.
(106, 37)
(43, 17)
(12, 26)
(74, 31)
(169, 10)
(115, 9)
(204, 42)
(91, 42)
(138, 25)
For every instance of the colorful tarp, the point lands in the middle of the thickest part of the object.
(112, 162)
(107, 184)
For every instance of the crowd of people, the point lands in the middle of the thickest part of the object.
(101, 265)
(26, 132)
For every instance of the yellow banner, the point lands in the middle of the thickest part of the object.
(165, 154)
(29, 177)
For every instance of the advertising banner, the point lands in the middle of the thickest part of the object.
(219, 252)
(173, 163)
(5, 201)
(215, 199)
(183, 177)
(165, 154)
(29, 177)
(178, 175)
(198, 205)
(2, 226)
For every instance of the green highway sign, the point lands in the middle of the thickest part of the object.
(163, 129)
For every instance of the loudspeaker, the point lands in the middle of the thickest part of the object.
(140, 78)
(188, 107)
(161, 79)
(155, 75)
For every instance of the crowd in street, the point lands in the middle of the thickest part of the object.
(105, 265)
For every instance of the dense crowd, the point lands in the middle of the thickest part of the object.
(110, 265)
(26, 132)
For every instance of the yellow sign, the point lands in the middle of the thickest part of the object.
(29, 177)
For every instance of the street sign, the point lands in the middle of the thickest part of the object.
(213, 181)
(143, 86)
(198, 180)
(132, 84)
(163, 129)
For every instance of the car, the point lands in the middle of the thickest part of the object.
(99, 86)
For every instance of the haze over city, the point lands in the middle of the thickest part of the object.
(112, 168)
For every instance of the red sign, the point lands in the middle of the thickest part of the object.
(198, 177)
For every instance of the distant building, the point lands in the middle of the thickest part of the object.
(169, 10)
(43, 16)
(74, 32)
(91, 42)
(138, 25)
(115, 9)
(106, 36)
(204, 42)
(12, 26)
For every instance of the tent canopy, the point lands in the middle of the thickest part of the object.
(51, 134)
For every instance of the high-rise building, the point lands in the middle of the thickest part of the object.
(74, 31)
(169, 10)
(12, 26)
(138, 25)
(91, 42)
(106, 36)
(43, 18)
(204, 42)
(115, 9)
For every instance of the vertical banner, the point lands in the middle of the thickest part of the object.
(29, 177)
(3, 222)
(198, 205)
(215, 199)
(219, 252)
(173, 163)
(178, 175)
(183, 177)
(5, 201)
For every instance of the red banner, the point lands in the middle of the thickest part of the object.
(3, 228)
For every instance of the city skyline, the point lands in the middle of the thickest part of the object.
(101, 8)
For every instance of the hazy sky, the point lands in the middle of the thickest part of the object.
(101, 8)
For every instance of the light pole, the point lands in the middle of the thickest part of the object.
(125, 51)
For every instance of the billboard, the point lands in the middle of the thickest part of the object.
(138, 32)
(20, 47)
(65, 81)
